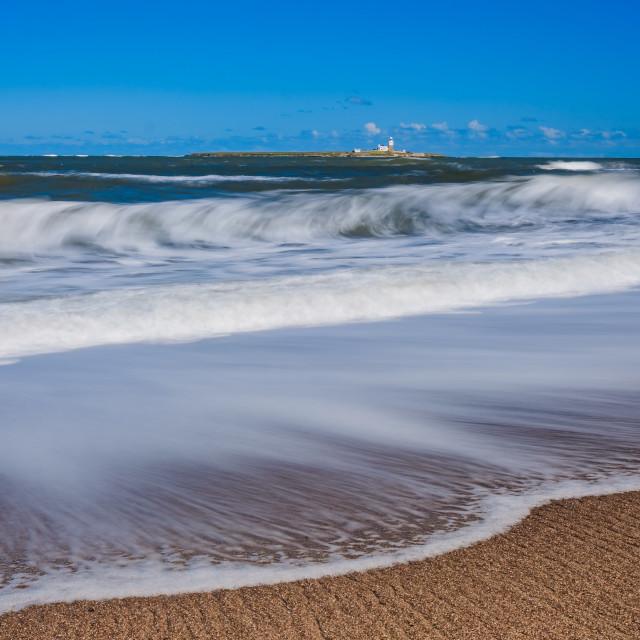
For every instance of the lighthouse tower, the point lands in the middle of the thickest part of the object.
(390, 144)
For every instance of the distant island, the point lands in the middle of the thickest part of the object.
(314, 154)
(386, 150)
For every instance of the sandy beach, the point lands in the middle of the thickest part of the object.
(569, 570)
(319, 323)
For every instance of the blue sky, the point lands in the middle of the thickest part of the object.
(460, 78)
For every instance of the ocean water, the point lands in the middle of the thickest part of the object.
(220, 372)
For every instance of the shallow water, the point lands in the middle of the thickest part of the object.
(353, 359)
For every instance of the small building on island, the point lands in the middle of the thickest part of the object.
(385, 147)
(389, 149)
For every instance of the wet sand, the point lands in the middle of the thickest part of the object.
(569, 570)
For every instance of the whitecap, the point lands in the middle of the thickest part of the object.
(573, 165)
(31, 226)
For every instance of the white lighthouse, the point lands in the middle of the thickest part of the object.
(390, 144)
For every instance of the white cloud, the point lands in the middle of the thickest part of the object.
(371, 128)
(478, 129)
(608, 135)
(583, 133)
(416, 126)
(552, 134)
(443, 128)
(518, 133)
(315, 134)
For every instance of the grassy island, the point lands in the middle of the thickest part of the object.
(312, 154)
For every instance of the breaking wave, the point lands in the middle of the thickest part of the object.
(41, 226)
(188, 312)
(573, 165)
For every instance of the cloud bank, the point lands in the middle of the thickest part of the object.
(525, 137)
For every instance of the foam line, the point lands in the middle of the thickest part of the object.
(144, 177)
(498, 513)
(188, 312)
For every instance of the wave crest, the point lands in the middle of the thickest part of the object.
(36, 226)
(573, 165)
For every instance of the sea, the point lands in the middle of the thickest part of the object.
(226, 371)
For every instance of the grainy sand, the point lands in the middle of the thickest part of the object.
(570, 570)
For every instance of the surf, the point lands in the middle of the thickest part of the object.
(36, 226)
(189, 312)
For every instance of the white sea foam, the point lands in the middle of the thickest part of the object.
(37, 226)
(144, 177)
(570, 165)
(497, 512)
(194, 311)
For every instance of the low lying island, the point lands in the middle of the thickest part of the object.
(313, 154)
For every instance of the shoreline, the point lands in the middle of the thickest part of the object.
(570, 567)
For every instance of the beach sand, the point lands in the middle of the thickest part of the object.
(569, 570)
